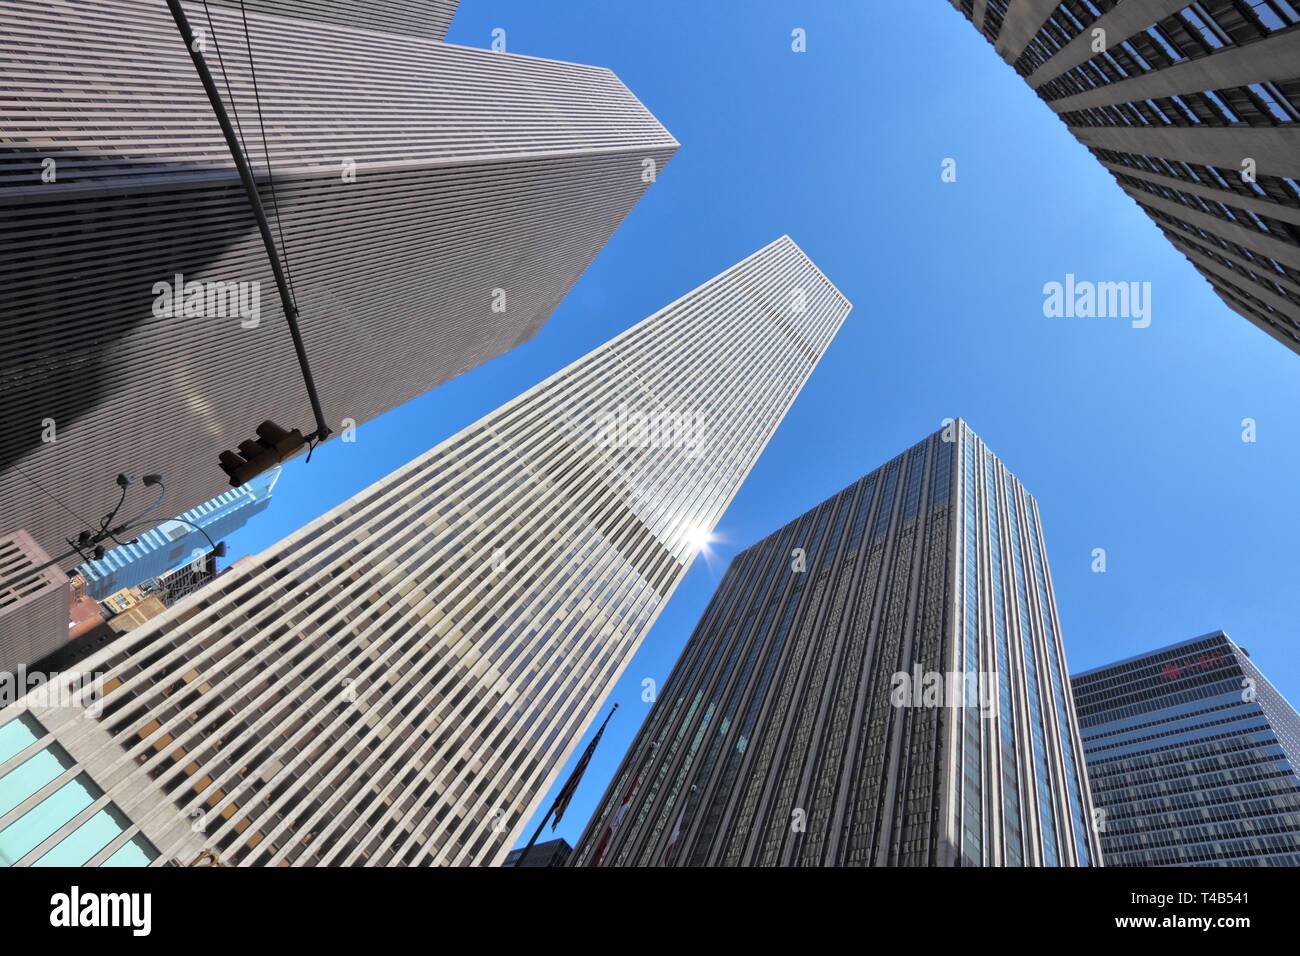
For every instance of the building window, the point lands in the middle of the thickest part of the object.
(59, 808)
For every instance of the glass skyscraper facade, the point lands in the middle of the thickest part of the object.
(400, 681)
(880, 682)
(1192, 758)
(176, 541)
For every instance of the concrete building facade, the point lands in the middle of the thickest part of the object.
(35, 598)
(880, 682)
(432, 205)
(1194, 108)
(401, 681)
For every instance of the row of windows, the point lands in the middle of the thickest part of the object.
(1273, 228)
(995, 13)
(1278, 811)
(1197, 30)
(1208, 754)
(78, 798)
(1264, 104)
(1282, 190)
(1248, 304)
(1174, 727)
(1260, 851)
(1093, 689)
(1261, 785)
(1286, 828)
(1171, 225)
(1238, 296)
(1092, 741)
(1062, 25)
(1260, 279)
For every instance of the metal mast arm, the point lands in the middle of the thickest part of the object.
(255, 200)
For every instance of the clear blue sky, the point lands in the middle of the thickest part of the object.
(1130, 439)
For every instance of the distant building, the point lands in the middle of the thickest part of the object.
(181, 540)
(551, 853)
(1192, 758)
(1194, 108)
(85, 614)
(88, 631)
(34, 602)
(131, 607)
(184, 581)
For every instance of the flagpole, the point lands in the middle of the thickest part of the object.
(536, 833)
(566, 791)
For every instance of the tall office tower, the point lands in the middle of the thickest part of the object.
(433, 204)
(1194, 108)
(400, 681)
(178, 540)
(1192, 758)
(880, 682)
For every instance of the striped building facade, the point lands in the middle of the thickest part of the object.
(1194, 108)
(880, 682)
(1193, 758)
(400, 681)
(433, 203)
(419, 18)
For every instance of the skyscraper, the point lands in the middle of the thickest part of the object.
(1192, 758)
(1194, 108)
(880, 682)
(400, 681)
(177, 540)
(432, 204)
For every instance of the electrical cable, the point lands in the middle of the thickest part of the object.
(239, 128)
(53, 497)
(266, 154)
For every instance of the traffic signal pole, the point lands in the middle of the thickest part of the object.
(259, 212)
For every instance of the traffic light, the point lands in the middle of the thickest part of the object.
(272, 446)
